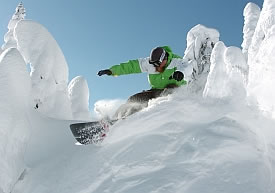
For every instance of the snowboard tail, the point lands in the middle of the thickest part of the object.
(91, 132)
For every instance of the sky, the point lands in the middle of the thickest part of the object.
(98, 34)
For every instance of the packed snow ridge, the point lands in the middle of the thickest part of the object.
(214, 135)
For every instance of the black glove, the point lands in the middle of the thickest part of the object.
(102, 72)
(178, 75)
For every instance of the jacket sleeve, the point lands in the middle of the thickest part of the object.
(130, 67)
(182, 65)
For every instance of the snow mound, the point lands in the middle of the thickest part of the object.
(177, 154)
(178, 144)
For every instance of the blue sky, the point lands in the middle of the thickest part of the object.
(96, 34)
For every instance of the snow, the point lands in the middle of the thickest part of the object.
(14, 124)
(228, 73)
(9, 38)
(261, 57)
(227, 149)
(214, 135)
(251, 16)
(107, 108)
(200, 42)
(79, 97)
(49, 70)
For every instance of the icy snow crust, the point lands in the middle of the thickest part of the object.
(203, 138)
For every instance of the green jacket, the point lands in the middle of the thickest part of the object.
(157, 80)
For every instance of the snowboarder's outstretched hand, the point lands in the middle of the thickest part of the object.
(102, 72)
(178, 75)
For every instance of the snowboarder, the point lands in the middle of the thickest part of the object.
(165, 69)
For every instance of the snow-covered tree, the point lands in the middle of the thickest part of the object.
(216, 81)
(14, 126)
(49, 69)
(20, 12)
(228, 73)
(237, 71)
(79, 96)
(200, 42)
(9, 38)
(251, 15)
(261, 57)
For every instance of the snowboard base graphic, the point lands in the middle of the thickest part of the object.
(91, 132)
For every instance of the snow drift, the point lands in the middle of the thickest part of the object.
(223, 150)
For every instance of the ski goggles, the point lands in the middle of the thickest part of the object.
(157, 63)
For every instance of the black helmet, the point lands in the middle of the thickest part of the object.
(157, 55)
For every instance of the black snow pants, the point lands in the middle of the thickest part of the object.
(146, 95)
(140, 100)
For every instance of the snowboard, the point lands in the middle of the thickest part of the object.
(91, 132)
